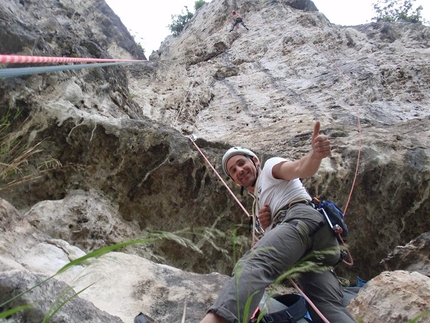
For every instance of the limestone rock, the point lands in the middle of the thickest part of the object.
(44, 298)
(117, 283)
(117, 134)
(414, 256)
(162, 292)
(264, 89)
(392, 297)
(85, 219)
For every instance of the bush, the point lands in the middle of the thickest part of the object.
(397, 10)
(198, 4)
(179, 22)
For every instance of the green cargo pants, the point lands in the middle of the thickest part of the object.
(303, 232)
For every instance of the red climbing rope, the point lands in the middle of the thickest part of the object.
(22, 59)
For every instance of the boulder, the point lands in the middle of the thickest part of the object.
(392, 297)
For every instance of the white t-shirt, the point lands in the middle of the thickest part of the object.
(277, 192)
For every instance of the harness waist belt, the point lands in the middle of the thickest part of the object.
(290, 205)
(280, 215)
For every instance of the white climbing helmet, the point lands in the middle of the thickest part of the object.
(233, 152)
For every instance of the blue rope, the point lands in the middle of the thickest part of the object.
(21, 71)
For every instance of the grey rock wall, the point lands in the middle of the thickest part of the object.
(118, 134)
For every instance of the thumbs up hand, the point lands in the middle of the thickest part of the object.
(320, 143)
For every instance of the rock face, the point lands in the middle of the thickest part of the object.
(30, 27)
(117, 283)
(268, 86)
(119, 131)
(414, 256)
(75, 310)
(69, 220)
(107, 153)
(410, 291)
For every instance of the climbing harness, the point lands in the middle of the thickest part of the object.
(286, 308)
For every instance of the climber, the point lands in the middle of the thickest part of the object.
(293, 230)
(237, 19)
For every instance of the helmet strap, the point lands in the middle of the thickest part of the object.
(256, 170)
(256, 174)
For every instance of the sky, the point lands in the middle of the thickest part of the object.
(147, 20)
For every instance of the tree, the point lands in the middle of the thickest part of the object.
(179, 21)
(198, 4)
(397, 10)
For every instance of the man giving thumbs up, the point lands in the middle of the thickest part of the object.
(294, 229)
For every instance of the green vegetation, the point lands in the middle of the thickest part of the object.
(179, 21)
(16, 154)
(417, 319)
(397, 10)
(198, 4)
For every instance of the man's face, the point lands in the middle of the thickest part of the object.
(242, 170)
